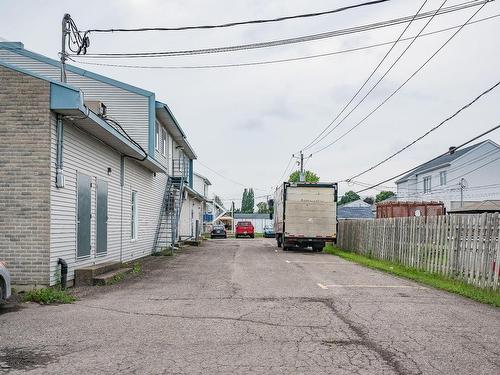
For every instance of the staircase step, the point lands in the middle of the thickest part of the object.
(111, 277)
(86, 275)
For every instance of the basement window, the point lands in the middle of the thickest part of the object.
(134, 222)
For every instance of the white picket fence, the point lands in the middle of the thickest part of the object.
(465, 247)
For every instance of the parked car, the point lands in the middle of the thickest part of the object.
(4, 282)
(244, 228)
(269, 231)
(218, 231)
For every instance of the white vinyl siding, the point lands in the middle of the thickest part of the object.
(164, 145)
(130, 109)
(82, 154)
(134, 219)
(85, 154)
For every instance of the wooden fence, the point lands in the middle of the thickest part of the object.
(465, 247)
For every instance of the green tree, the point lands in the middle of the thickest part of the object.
(369, 200)
(383, 195)
(247, 201)
(262, 208)
(309, 177)
(349, 196)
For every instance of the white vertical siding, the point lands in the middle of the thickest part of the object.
(130, 109)
(192, 210)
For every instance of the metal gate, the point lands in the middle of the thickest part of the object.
(83, 216)
(101, 217)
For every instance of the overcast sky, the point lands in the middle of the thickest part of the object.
(245, 122)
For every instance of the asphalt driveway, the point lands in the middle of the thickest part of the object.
(245, 307)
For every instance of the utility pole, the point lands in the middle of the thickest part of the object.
(462, 187)
(300, 162)
(65, 33)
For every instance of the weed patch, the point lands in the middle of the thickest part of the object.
(487, 296)
(47, 296)
(137, 268)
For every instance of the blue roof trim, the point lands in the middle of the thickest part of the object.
(170, 113)
(63, 97)
(12, 46)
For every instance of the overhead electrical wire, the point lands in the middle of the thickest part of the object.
(313, 142)
(280, 42)
(238, 23)
(399, 87)
(456, 113)
(459, 166)
(276, 61)
(443, 154)
(226, 178)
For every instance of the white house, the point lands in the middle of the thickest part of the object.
(259, 221)
(91, 171)
(468, 174)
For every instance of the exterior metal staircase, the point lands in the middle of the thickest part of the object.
(168, 223)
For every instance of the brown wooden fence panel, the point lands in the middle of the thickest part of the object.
(465, 247)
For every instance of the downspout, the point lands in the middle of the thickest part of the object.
(122, 184)
(64, 272)
(59, 152)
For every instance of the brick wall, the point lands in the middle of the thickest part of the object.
(24, 176)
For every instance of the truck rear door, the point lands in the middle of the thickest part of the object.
(310, 211)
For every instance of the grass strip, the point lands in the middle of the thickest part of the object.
(487, 296)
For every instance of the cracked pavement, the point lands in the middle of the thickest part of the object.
(245, 307)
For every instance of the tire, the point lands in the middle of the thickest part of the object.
(225, 236)
(2, 293)
(252, 236)
(278, 240)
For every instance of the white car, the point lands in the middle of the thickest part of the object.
(4, 282)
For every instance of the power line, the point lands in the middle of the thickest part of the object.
(400, 87)
(275, 61)
(443, 154)
(224, 177)
(313, 142)
(295, 40)
(238, 23)
(427, 132)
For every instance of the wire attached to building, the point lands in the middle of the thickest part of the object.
(295, 40)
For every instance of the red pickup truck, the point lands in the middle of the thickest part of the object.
(244, 228)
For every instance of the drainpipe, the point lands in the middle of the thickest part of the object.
(64, 272)
(59, 152)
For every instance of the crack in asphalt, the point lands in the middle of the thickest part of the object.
(201, 317)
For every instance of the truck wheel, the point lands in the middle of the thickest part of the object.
(252, 236)
(278, 240)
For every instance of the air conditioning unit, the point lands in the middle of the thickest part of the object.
(97, 107)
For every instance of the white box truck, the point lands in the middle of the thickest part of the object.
(305, 214)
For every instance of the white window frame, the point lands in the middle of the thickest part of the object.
(134, 216)
(164, 143)
(157, 136)
(427, 184)
(443, 177)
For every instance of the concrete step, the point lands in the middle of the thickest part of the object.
(86, 275)
(111, 277)
(192, 242)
